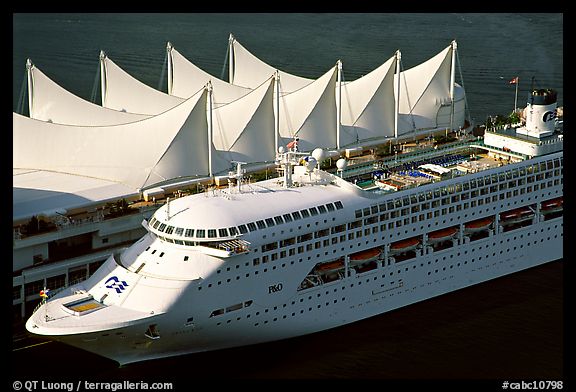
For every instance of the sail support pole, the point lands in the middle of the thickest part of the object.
(231, 59)
(397, 103)
(339, 104)
(103, 77)
(170, 76)
(209, 111)
(452, 81)
(29, 66)
(277, 110)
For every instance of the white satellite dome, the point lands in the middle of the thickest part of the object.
(341, 164)
(281, 149)
(318, 154)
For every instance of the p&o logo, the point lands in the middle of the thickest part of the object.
(548, 116)
(116, 284)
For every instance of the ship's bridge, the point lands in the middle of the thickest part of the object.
(224, 221)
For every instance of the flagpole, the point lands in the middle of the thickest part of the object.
(516, 96)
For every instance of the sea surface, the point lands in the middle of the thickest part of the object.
(509, 328)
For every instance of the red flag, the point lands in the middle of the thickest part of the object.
(514, 81)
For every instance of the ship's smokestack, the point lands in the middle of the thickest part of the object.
(540, 113)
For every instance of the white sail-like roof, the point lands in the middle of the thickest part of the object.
(310, 113)
(51, 102)
(187, 79)
(251, 72)
(243, 130)
(424, 89)
(368, 105)
(125, 93)
(139, 154)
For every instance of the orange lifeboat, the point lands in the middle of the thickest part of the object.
(553, 205)
(478, 225)
(516, 215)
(404, 245)
(443, 234)
(365, 256)
(330, 266)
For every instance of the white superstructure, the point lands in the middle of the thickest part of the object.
(308, 251)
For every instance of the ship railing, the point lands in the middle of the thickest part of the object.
(53, 292)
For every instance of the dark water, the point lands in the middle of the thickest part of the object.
(492, 48)
(510, 328)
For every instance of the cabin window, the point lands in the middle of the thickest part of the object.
(233, 231)
(189, 233)
(287, 218)
(261, 224)
(339, 228)
(304, 213)
(330, 207)
(278, 220)
(287, 242)
(322, 209)
(179, 231)
(169, 230)
(270, 222)
(156, 224)
(211, 233)
(162, 227)
(200, 233)
(313, 211)
(223, 232)
(338, 205)
(217, 312)
(296, 215)
(358, 213)
(252, 226)
(354, 225)
(269, 247)
(243, 229)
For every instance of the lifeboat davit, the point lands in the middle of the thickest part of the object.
(442, 235)
(553, 205)
(478, 225)
(365, 256)
(516, 216)
(404, 245)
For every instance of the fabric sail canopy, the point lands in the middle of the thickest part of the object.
(368, 106)
(187, 79)
(51, 102)
(310, 113)
(425, 101)
(125, 93)
(243, 130)
(139, 154)
(251, 72)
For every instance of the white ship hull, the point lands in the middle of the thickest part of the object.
(337, 303)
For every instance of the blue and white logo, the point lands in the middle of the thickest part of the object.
(116, 284)
(548, 116)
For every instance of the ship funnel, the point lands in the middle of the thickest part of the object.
(540, 113)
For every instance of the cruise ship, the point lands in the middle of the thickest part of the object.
(312, 250)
